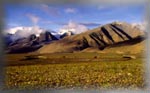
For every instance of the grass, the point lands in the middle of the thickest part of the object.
(75, 74)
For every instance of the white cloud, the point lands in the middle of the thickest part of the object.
(13, 30)
(20, 32)
(70, 10)
(74, 27)
(52, 11)
(33, 18)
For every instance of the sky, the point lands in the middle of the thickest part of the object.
(55, 17)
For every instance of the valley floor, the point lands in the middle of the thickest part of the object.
(73, 70)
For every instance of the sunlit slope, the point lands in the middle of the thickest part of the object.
(116, 34)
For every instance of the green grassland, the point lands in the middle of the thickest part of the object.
(73, 70)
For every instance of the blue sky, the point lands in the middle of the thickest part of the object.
(56, 16)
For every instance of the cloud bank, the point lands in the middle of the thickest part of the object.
(21, 32)
(74, 27)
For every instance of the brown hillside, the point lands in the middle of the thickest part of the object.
(110, 35)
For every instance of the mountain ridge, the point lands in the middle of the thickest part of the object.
(113, 34)
(30, 44)
(102, 37)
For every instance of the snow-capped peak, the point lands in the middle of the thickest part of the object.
(62, 31)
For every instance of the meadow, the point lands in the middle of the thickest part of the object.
(73, 70)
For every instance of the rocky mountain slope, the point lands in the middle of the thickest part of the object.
(111, 35)
(30, 43)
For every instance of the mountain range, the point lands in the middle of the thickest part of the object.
(106, 37)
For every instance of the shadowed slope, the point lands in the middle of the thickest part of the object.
(30, 44)
(106, 33)
(123, 32)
